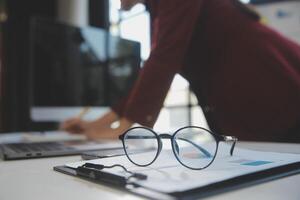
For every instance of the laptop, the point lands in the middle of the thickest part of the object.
(15, 146)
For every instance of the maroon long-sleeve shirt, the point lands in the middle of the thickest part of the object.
(245, 75)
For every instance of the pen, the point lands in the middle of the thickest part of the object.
(83, 112)
(101, 176)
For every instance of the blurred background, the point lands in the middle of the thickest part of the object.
(60, 56)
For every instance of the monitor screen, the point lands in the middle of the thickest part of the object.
(79, 66)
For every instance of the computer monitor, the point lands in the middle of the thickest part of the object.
(74, 67)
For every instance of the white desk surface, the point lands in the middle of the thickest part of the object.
(35, 179)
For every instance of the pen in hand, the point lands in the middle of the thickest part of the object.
(83, 112)
(74, 125)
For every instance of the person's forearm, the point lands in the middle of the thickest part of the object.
(108, 118)
(111, 117)
(125, 123)
(107, 131)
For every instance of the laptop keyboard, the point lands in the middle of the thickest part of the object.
(37, 147)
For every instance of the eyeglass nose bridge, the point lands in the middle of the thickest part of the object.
(165, 136)
(160, 143)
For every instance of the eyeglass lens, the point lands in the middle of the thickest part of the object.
(141, 140)
(194, 147)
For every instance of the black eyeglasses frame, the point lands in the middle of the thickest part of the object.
(218, 138)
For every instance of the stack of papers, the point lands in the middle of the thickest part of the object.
(167, 175)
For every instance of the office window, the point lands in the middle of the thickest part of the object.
(180, 107)
(125, 25)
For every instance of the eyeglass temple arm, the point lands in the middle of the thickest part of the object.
(230, 139)
(204, 151)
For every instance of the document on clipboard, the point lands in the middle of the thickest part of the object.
(167, 176)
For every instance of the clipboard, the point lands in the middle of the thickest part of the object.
(136, 191)
(215, 188)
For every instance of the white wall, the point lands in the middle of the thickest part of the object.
(284, 17)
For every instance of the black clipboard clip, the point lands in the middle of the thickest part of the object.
(95, 173)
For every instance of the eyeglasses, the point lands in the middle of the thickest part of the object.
(194, 147)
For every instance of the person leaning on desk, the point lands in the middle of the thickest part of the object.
(245, 76)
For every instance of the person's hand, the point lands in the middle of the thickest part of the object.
(77, 125)
(74, 125)
(99, 129)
